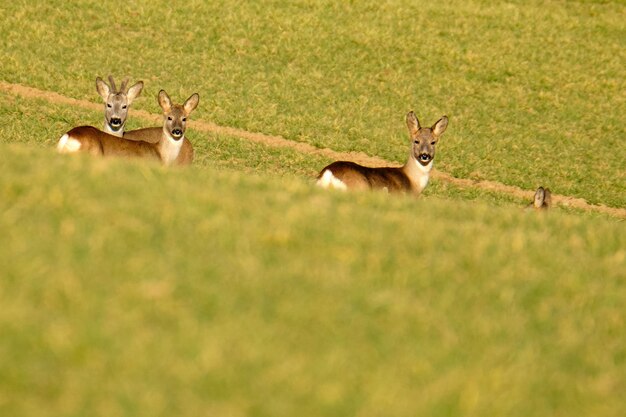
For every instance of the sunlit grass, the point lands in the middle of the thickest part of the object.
(533, 89)
(129, 289)
(40, 123)
(237, 288)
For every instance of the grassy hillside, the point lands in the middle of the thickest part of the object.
(128, 289)
(534, 90)
(39, 123)
(236, 288)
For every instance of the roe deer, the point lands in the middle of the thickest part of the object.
(165, 142)
(154, 134)
(542, 200)
(117, 103)
(411, 177)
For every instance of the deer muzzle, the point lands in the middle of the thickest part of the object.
(177, 133)
(115, 123)
(424, 158)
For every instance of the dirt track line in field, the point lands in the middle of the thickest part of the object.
(280, 142)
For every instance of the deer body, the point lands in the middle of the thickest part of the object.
(90, 140)
(154, 134)
(162, 143)
(412, 177)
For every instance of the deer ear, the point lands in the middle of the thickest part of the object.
(412, 123)
(164, 101)
(191, 103)
(102, 88)
(440, 126)
(134, 91)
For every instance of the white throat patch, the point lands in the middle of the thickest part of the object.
(169, 148)
(423, 173)
(424, 169)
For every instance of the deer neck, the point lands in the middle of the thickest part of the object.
(169, 148)
(417, 173)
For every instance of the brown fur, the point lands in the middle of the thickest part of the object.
(160, 142)
(152, 135)
(97, 142)
(174, 117)
(358, 177)
(411, 177)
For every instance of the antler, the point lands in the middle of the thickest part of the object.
(112, 84)
(123, 86)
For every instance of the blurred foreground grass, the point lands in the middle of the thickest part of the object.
(132, 290)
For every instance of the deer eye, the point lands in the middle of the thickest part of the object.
(124, 107)
(108, 105)
(417, 142)
(169, 117)
(433, 142)
(184, 119)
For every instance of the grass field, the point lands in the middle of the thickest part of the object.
(236, 288)
(534, 90)
(255, 303)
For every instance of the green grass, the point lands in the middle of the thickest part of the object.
(534, 90)
(38, 123)
(129, 289)
(236, 288)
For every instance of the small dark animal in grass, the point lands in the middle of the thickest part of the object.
(412, 177)
(542, 200)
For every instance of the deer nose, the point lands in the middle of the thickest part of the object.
(116, 121)
(424, 157)
(177, 133)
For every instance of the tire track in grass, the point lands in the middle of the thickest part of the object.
(280, 142)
